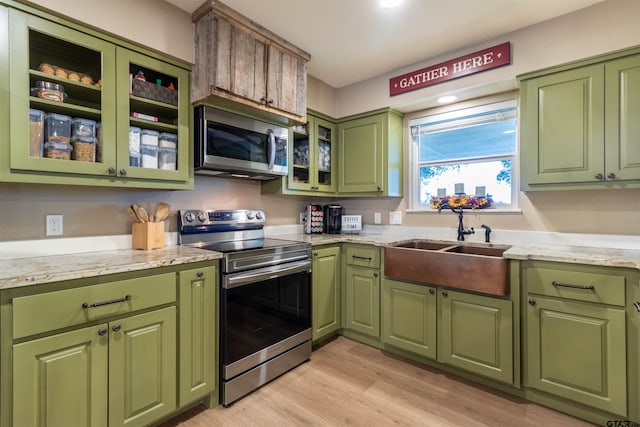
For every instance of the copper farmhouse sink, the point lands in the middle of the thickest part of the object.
(477, 268)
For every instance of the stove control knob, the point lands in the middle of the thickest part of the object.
(258, 215)
(189, 217)
(202, 217)
(250, 215)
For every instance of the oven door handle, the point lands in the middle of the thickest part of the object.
(231, 281)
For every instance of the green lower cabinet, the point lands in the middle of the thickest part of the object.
(325, 284)
(476, 334)
(576, 351)
(198, 361)
(362, 305)
(409, 317)
(62, 380)
(142, 368)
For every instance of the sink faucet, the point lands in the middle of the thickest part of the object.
(487, 233)
(461, 230)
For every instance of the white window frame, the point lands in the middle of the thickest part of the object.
(451, 111)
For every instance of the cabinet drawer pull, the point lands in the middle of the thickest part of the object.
(116, 327)
(200, 274)
(101, 303)
(375, 274)
(431, 291)
(532, 302)
(362, 258)
(599, 176)
(611, 175)
(102, 332)
(567, 285)
(445, 293)
(636, 304)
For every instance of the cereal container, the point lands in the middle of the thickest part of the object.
(134, 146)
(167, 158)
(149, 156)
(58, 128)
(56, 150)
(84, 148)
(83, 127)
(36, 132)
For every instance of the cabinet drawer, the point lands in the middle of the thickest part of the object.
(363, 256)
(577, 285)
(59, 309)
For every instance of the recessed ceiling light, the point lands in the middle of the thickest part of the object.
(390, 3)
(446, 99)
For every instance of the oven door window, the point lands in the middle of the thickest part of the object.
(258, 315)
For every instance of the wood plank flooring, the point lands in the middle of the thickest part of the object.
(350, 384)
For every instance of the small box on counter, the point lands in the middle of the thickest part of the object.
(147, 235)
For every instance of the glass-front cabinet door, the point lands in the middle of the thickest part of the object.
(312, 160)
(62, 97)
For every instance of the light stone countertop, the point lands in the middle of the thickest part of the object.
(607, 257)
(45, 269)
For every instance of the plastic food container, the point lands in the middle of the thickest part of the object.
(56, 150)
(99, 142)
(134, 139)
(58, 128)
(36, 132)
(83, 127)
(149, 137)
(169, 140)
(134, 159)
(167, 158)
(149, 156)
(48, 90)
(84, 148)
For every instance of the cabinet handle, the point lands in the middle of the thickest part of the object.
(375, 274)
(445, 294)
(361, 257)
(379, 188)
(315, 254)
(611, 175)
(599, 176)
(101, 303)
(102, 332)
(123, 172)
(270, 101)
(315, 187)
(116, 327)
(567, 285)
(111, 170)
(431, 291)
(636, 304)
(200, 274)
(532, 302)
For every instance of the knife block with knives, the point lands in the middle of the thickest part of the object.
(147, 230)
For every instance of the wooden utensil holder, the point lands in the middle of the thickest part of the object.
(147, 235)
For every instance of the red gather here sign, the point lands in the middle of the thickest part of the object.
(482, 60)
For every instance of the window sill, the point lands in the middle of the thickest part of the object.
(467, 211)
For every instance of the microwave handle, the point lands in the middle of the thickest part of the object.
(271, 147)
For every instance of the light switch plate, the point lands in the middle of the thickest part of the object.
(395, 217)
(377, 218)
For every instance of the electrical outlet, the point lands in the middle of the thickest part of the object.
(395, 217)
(377, 218)
(53, 225)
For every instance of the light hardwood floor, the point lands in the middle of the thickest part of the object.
(350, 384)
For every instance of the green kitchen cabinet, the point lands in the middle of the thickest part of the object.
(579, 125)
(142, 368)
(476, 334)
(370, 154)
(62, 380)
(326, 291)
(44, 48)
(312, 159)
(409, 317)
(198, 332)
(633, 347)
(575, 334)
(362, 289)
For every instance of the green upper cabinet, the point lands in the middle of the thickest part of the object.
(370, 154)
(71, 108)
(312, 159)
(579, 126)
(326, 289)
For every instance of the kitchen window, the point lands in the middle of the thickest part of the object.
(467, 152)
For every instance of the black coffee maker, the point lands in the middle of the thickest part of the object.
(332, 219)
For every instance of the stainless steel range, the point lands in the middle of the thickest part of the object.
(265, 297)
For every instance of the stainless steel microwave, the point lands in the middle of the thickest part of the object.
(231, 145)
